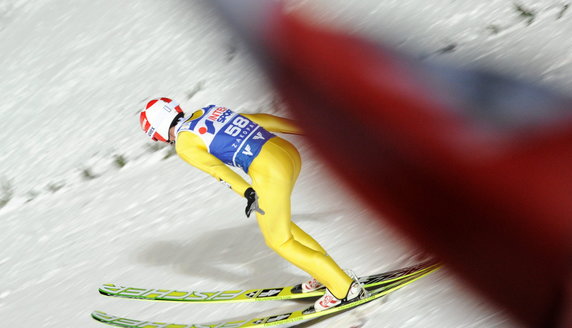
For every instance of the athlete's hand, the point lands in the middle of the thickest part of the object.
(252, 202)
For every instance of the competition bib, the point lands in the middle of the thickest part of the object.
(229, 136)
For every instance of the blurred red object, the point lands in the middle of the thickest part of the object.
(473, 166)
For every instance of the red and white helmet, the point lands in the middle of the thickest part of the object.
(157, 118)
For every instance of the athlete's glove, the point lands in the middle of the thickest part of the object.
(252, 202)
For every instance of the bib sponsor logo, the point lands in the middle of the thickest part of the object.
(247, 151)
(208, 129)
(220, 114)
(259, 136)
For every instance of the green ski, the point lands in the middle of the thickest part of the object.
(261, 294)
(304, 314)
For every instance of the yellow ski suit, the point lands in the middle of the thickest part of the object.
(273, 172)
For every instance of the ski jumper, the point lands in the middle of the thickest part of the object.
(214, 137)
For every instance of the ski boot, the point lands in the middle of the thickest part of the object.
(328, 300)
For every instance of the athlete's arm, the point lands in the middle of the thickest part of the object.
(193, 151)
(274, 123)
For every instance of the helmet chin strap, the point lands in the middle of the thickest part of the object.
(171, 140)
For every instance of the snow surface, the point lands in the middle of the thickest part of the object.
(75, 73)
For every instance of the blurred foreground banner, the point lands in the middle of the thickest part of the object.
(471, 165)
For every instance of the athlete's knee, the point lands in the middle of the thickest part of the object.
(291, 249)
(274, 243)
(280, 245)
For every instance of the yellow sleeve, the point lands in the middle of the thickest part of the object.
(274, 123)
(193, 151)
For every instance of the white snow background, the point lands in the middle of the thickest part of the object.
(87, 199)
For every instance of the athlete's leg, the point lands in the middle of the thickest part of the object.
(273, 174)
(276, 227)
(305, 239)
(299, 234)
